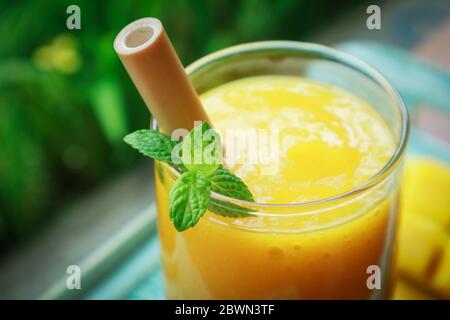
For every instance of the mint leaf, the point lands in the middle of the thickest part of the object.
(201, 149)
(230, 185)
(152, 144)
(189, 199)
(226, 183)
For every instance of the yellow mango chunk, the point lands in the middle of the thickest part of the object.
(421, 242)
(426, 190)
(404, 290)
(441, 281)
(424, 245)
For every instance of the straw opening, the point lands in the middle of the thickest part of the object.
(139, 36)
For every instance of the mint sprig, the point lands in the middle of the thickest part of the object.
(201, 154)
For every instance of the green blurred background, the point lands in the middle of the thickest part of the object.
(66, 101)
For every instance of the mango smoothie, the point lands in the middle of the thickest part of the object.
(329, 142)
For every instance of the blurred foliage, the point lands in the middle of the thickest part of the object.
(66, 102)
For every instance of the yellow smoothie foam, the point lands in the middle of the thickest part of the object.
(330, 141)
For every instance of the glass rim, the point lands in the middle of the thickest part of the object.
(330, 54)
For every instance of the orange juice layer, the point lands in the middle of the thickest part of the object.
(330, 141)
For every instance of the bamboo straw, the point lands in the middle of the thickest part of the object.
(155, 69)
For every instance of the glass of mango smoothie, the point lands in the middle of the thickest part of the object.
(324, 217)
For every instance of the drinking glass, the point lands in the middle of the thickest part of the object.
(341, 247)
